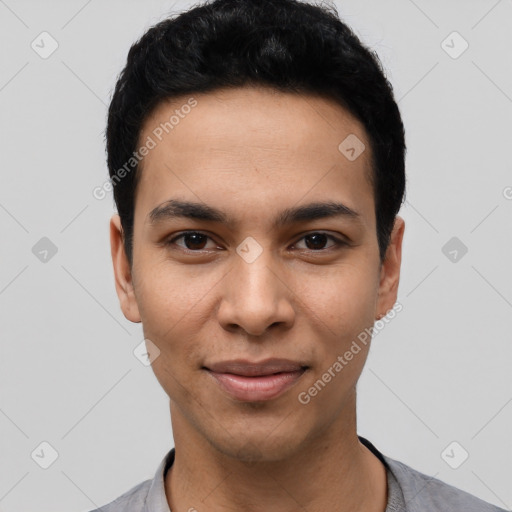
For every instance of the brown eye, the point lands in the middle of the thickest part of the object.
(317, 241)
(193, 240)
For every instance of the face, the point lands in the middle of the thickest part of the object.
(250, 271)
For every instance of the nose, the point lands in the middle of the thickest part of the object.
(255, 297)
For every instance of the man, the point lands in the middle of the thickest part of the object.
(257, 158)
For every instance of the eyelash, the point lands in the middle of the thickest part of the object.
(338, 242)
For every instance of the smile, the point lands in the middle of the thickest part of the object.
(256, 388)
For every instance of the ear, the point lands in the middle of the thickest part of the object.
(122, 272)
(390, 269)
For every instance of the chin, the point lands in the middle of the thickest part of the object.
(259, 448)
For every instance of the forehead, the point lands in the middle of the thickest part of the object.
(254, 147)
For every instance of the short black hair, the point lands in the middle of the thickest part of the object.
(289, 45)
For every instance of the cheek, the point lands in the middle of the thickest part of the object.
(178, 363)
(172, 305)
(341, 314)
(168, 293)
(340, 310)
(344, 300)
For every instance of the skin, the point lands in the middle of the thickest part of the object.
(252, 152)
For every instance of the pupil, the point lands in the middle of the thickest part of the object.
(318, 239)
(196, 240)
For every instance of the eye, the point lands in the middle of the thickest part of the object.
(196, 241)
(193, 240)
(316, 241)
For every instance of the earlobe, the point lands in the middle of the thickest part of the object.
(390, 270)
(122, 272)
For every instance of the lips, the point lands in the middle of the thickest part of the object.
(256, 381)
(254, 369)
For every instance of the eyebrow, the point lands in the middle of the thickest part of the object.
(175, 208)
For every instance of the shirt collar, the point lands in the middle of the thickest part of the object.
(156, 500)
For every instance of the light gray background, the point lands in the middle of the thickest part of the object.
(438, 373)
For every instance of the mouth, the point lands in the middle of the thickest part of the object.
(255, 382)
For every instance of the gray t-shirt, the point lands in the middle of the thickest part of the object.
(408, 491)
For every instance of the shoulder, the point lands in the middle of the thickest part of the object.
(131, 501)
(423, 493)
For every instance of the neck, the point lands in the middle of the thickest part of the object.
(333, 471)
